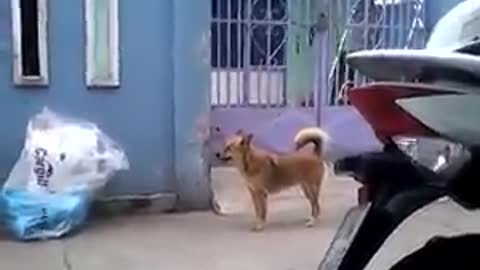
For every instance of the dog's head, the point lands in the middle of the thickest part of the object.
(236, 147)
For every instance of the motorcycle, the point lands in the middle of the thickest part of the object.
(439, 101)
(395, 185)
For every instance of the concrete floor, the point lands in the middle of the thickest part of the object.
(196, 240)
(204, 241)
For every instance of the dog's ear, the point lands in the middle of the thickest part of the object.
(247, 139)
(239, 132)
(273, 159)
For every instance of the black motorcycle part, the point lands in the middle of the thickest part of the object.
(444, 253)
(401, 186)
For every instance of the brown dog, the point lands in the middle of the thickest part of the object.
(266, 173)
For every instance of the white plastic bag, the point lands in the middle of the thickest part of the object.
(63, 163)
(62, 154)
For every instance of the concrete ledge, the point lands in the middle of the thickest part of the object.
(129, 204)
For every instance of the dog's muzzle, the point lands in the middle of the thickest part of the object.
(223, 158)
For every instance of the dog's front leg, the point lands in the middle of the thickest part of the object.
(259, 199)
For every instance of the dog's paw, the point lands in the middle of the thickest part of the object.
(258, 228)
(310, 222)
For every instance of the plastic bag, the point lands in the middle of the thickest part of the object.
(32, 216)
(63, 163)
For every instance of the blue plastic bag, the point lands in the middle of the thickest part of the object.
(32, 216)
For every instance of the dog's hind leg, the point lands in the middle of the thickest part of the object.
(311, 193)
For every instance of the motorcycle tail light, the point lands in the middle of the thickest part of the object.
(435, 154)
(377, 104)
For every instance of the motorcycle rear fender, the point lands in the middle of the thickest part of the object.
(365, 228)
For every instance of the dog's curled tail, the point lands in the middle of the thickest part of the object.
(314, 135)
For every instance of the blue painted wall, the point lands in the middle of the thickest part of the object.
(191, 99)
(140, 114)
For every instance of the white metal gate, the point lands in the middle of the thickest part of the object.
(263, 50)
(250, 50)
(367, 25)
